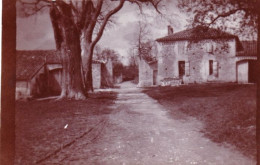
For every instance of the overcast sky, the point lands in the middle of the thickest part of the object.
(35, 32)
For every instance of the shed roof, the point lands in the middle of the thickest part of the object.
(29, 62)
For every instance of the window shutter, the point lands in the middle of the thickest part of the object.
(215, 68)
(187, 68)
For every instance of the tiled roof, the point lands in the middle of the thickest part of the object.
(28, 63)
(197, 33)
(250, 48)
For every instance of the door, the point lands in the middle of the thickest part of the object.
(181, 65)
(155, 72)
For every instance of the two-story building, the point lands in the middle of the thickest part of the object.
(203, 54)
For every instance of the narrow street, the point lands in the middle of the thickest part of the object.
(139, 131)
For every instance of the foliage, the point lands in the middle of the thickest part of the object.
(237, 15)
(106, 54)
(149, 51)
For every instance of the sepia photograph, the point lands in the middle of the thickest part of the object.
(130, 82)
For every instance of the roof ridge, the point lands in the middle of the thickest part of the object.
(196, 33)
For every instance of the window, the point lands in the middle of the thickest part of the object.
(210, 67)
(209, 47)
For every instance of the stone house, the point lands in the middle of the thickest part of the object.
(38, 73)
(201, 54)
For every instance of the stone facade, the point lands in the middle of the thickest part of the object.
(202, 61)
(147, 73)
(96, 75)
(107, 74)
(102, 74)
(203, 54)
(242, 71)
(29, 88)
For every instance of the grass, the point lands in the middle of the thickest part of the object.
(228, 111)
(40, 124)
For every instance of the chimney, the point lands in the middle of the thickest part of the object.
(170, 30)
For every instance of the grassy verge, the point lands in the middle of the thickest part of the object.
(227, 111)
(44, 126)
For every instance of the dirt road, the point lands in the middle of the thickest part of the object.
(140, 131)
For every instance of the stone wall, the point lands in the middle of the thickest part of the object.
(145, 74)
(242, 72)
(196, 56)
(96, 75)
(107, 75)
(109, 67)
(22, 90)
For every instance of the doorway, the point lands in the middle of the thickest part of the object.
(155, 72)
(181, 65)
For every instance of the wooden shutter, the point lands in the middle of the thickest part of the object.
(187, 68)
(215, 68)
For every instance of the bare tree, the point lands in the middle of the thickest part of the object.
(78, 26)
(145, 47)
(142, 36)
(246, 12)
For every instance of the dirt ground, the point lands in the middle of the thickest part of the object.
(227, 111)
(131, 128)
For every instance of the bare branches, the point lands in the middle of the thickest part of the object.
(227, 14)
(29, 8)
(139, 3)
(107, 17)
(93, 17)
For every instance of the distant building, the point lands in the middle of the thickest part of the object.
(147, 72)
(203, 54)
(147, 67)
(38, 73)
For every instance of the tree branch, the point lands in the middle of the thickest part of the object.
(107, 17)
(94, 20)
(34, 6)
(225, 15)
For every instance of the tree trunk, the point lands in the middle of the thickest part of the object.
(68, 44)
(86, 55)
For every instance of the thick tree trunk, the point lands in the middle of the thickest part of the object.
(73, 30)
(68, 43)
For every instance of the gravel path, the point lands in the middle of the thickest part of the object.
(140, 132)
